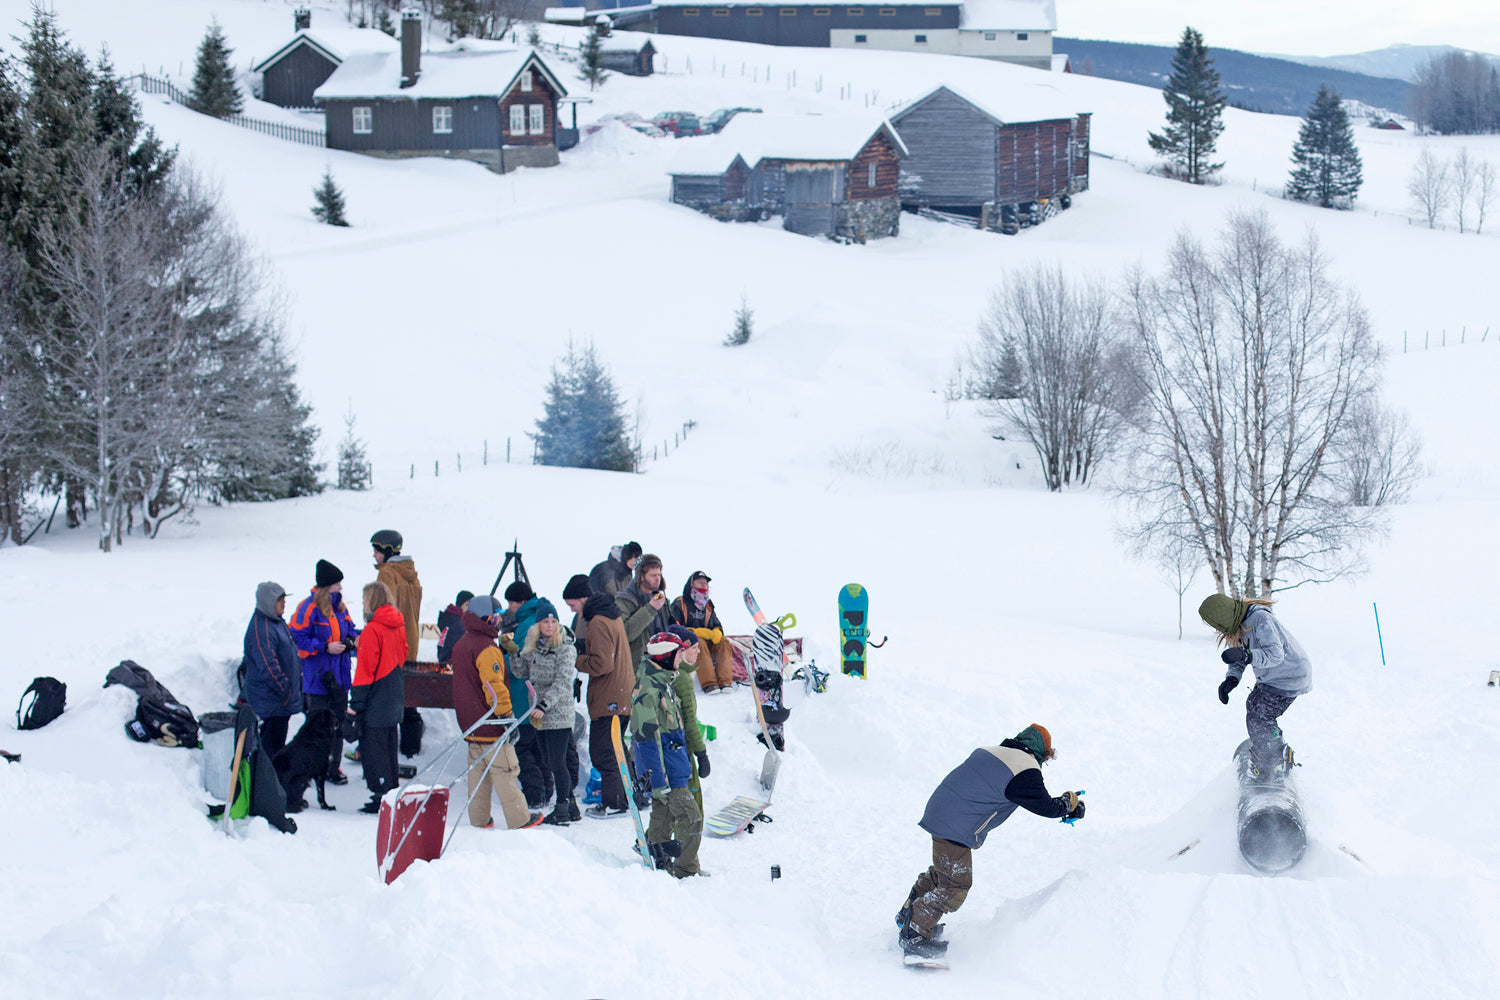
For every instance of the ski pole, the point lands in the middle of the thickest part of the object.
(1378, 636)
(494, 752)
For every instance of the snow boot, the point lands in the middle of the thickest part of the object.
(601, 811)
(913, 943)
(664, 854)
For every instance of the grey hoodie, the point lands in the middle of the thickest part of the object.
(1276, 657)
(266, 596)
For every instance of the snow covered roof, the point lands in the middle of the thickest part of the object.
(337, 44)
(1060, 62)
(803, 137)
(454, 74)
(705, 157)
(1009, 15)
(1037, 102)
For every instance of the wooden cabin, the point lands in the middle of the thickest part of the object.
(981, 160)
(826, 176)
(291, 73)
(624, 55)
(491, 105)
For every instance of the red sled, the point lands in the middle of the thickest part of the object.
(411, 829)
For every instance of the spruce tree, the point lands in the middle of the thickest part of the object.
(330, 207)
(1195, 109)
(384, 23)
(1328, 168)
(214, 90)
(744, 325)
(583, 424)
(354, 467)
(591, 61)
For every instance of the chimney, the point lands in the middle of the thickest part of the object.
(301, 19)
(411, 46)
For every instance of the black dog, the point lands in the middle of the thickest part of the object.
(305, 760)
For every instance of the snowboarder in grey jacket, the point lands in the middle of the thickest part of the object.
(974, 799)
(1256, 639)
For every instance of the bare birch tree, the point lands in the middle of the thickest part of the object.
(1461, 177)
(1428, 185)
(1072, 391)
(1484, 193)
(1254, 364)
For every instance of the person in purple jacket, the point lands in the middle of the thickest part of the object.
(975, 798)
(325, 635)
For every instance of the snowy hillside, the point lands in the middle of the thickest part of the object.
(823, 452)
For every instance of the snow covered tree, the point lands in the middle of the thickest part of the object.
(1328, 169)
(214, 89)
(330, 202)
(533, 34)
(744, 325)
(1462, 173)
(1254, 363)
(583, 425)
(1195, 111)
(354, 467)
(1429, 186)
(384, 23)
(20, 393)
(591, 59)
(1485, 189)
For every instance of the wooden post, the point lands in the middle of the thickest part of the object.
(414, 470)
(434, 468)
(458, 462)
(507, 451)
(487, 440)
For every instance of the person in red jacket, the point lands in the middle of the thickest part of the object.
(379, 693)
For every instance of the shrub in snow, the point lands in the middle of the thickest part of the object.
(330, 202)
(591, 59)
(214, 89)
(744, 325)
(1328, 169)
(1195, 111)
(354, 472)
(583, 425)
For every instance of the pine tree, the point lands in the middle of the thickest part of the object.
(1328, 168)
(384, 23)
(1195, 110)
(214, 90)
(354, 467)
(583, 424)
(533, 34)
(591, 62)
(744, 325)
(330, 207)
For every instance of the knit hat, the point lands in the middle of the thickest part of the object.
(663, 647)
(386, 542)
(1222, 613)
(629, 551)
(577, 588)
(483, 605)
(1038, 741)
(520, 592)
(463, 597)
(545, 609)
(327, 574)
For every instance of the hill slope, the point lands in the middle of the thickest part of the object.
(1399, 62)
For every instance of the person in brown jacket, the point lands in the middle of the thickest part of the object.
(478, 685)
(611, 671)
(399, 574)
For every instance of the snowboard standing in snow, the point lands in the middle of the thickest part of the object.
(769, 653)
(642, 847)
(854, 612)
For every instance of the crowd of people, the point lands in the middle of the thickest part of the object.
(517, 673)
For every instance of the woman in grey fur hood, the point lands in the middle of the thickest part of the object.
(547, 657)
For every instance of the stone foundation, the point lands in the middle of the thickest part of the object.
(731, 211)
(501, 161)
(870, 219)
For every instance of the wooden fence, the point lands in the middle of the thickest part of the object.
(148, 84)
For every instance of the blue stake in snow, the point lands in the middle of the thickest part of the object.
(1377, 632)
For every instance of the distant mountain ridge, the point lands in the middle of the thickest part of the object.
(1259, 83)
(1399, 62)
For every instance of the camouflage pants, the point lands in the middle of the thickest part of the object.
(943, 887)
(676, 816)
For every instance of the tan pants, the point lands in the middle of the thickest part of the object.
(715, 664)
(501, 772)
(943, 887)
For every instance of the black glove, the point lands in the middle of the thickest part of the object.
(1235, 656)
(642, 784)
(1230, 683)
(649, 731)
(578, 689)
(354, 727)
(1077, 811)
(702, 756)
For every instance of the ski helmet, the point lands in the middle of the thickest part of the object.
(386, 542)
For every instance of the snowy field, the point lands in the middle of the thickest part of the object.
(823, 453)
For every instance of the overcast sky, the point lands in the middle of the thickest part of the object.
(1318, 28)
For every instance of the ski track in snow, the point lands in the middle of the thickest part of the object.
(824, 452)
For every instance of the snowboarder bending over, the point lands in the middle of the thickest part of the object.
(1256, 639)
(975, 798)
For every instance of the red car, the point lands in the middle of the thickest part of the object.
(678, 124)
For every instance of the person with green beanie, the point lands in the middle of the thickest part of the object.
(1253, 637)
(974, 799)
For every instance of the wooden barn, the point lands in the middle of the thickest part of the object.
(291, 73)
(495, 106)
(627, 56)
(826, 176)
(1007, 166)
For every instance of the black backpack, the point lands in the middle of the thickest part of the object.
(51, 697)
(159, 717)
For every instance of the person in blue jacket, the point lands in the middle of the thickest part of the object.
(974, 799)
(1254, 638)
(273, 670)
(325, 636)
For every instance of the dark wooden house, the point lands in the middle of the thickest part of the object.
(626, 55)
(291, 73)
(491, 105)
(998, 165)
(825, 176)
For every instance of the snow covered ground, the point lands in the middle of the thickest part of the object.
(823, 452)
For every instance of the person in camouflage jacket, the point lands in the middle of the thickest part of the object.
(658, 726)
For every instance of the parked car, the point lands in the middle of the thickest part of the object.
(630, 120)
(678, 124)
(646, 129)
(716, 121)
